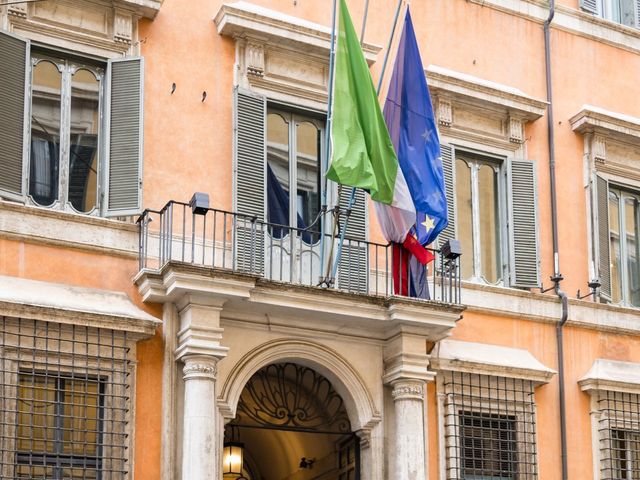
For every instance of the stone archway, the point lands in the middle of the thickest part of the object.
(362, 413)
(294, 426)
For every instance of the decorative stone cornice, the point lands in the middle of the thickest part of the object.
(200, 367)
(609, 124)
(246, 20)
(482, 358)
(460, 87)
(54, 302)
(611, 375)
(407, 390)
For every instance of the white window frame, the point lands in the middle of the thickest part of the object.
(499, 164)
(607, 7)
(67, 65)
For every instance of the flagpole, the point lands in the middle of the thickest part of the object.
(327, 154)
(352, 198)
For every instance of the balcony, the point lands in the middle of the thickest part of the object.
(232, 243)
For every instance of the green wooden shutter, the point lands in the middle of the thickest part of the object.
(249, 178)
(601, 235)
(590, 6)
(353, 266)
(14, 58)
(448, 167)
(524, 258)
(125, 142)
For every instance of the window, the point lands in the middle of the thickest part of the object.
(489, 427)
(277, 147)
(71, 137)
(492, 211)
(626, 12)
(479, 221)
(619, 430)
(59, 427)
(65, 132)
(64, 401)
(488, 446)
(293, 158)
(624, 239)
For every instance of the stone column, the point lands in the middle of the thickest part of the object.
(406, 371)
(199, 460)
(409, 444)
(199, 349)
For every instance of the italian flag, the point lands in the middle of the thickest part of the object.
(362, 153)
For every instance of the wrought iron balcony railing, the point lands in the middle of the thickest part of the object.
(242, 243)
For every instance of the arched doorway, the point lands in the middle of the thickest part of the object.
(291, 425)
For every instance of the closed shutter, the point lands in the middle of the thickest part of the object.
(590, 6)
(14, 57)
(448, 168)
(124, 145)
(353, 266)
(637, 13)
(523, 226)
(601, 237)
(249, 177)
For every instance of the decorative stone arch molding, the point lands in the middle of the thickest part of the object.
(358, 401)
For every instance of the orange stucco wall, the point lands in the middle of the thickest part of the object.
(188, 148)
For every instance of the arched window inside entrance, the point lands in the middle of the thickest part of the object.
(292, 425)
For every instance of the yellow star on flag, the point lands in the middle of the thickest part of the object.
(428, 223)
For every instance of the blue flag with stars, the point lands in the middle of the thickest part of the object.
(412, 126)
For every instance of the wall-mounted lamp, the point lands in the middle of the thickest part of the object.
(199, 203)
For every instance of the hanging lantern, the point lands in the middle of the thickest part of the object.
(233, 458)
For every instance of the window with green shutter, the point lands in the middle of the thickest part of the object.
(72, 136)
(492, 206)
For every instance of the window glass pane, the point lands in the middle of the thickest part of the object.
(83, 153)
(488, 209)
(45, 133)
(464, 219)
(631, 236)
(626, 12)
(614, 237)
(308, 175)
(277, 172)
(81, 417)
(36, 414)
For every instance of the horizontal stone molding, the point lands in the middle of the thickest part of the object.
(497, 360)
(591, 119)
(612, 375)
(56, 228)
(570, 20)
(51, 302)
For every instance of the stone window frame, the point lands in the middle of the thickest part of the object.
(604, 378)
(605, 134)
(498, 364)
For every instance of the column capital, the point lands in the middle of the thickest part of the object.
(200, 366)
(408, 389)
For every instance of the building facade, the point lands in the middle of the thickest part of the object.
(165, 307)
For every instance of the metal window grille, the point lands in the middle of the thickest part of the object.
(64, 401)
(489, 427)
(619, 430)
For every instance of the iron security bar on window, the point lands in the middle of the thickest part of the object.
(64, 402)
(489, 427)
(244, 244)
(619, 431)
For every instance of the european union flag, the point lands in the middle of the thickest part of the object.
(412, 127)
